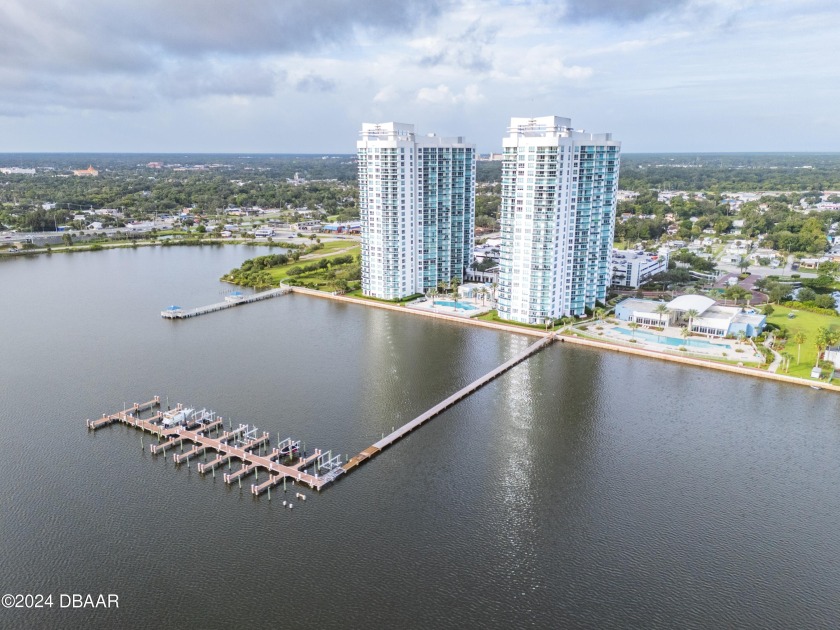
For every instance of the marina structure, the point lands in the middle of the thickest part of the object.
(417, 206)
(559, 190)
(247, 446)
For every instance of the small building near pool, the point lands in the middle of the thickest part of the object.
(703, 314)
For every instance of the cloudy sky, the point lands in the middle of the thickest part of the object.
(277, 76)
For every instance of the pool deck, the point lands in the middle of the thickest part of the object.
(724, 349)
(436, 307)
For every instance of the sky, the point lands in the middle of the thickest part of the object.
(300, 76)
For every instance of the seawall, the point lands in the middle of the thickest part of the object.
(651, 354)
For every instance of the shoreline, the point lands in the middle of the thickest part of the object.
(580, 341)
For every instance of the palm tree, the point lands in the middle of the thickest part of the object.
(454, 283)
(799, 337)
(662, 309)
(433, 292)
(633, 326)
(599, 313)
(825, 338)
(785, 361)
(493, 287)
(685, 332)
(691, 314)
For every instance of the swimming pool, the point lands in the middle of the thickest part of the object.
(456, 305)
(672, 341)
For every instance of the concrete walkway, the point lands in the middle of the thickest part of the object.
(777, 358)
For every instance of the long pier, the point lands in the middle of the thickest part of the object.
(424, 417)
(178, 313)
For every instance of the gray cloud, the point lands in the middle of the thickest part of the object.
(618, 10)
(197, 79)
(175, 48)
(133, 35)
(315, 83)
(469, 50)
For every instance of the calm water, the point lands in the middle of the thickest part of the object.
(581, 490)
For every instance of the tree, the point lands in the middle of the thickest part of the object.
(599, 313)
(825, 338)
(685, 332)
(691, 314)
(662, 310)
(798, 337)
(743, 263)
(454, 283)
(768, 309)
(633, 326)
(67, 239)
(806, 294)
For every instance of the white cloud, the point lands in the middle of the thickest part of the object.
(443, 95)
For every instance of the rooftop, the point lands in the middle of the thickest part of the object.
(699, 303)
(640, 305)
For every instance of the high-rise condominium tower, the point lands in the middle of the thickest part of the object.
(416, 199)
(558, 206)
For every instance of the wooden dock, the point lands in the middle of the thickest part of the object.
(239, 444)
(228, 446)
(401, 432)
(123, 416)
(179, 313)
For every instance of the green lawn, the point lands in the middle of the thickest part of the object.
(807, 323)
(358, 294)
(493, 316)
(340, 248)
(334, 246)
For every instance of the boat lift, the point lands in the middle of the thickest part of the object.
(288, 447)
(248, 435)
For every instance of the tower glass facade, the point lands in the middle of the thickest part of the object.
(557, 215)
(416, 201)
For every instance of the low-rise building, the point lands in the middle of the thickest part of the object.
(702, 314)
(631, 269)
(86, 172)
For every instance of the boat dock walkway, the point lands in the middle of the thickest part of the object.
(176, 312)
(407, 428)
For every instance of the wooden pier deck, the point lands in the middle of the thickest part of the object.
(122, 416)
(401, 432)
(196, 434)
(219, 306)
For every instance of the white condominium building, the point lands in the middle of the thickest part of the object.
(416, 200)
(557, 214)
(631, 269)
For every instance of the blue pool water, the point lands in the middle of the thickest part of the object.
(672, 341)
(458, 305)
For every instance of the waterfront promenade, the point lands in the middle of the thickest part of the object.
(570, 336)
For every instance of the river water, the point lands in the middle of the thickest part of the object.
(582, 489)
